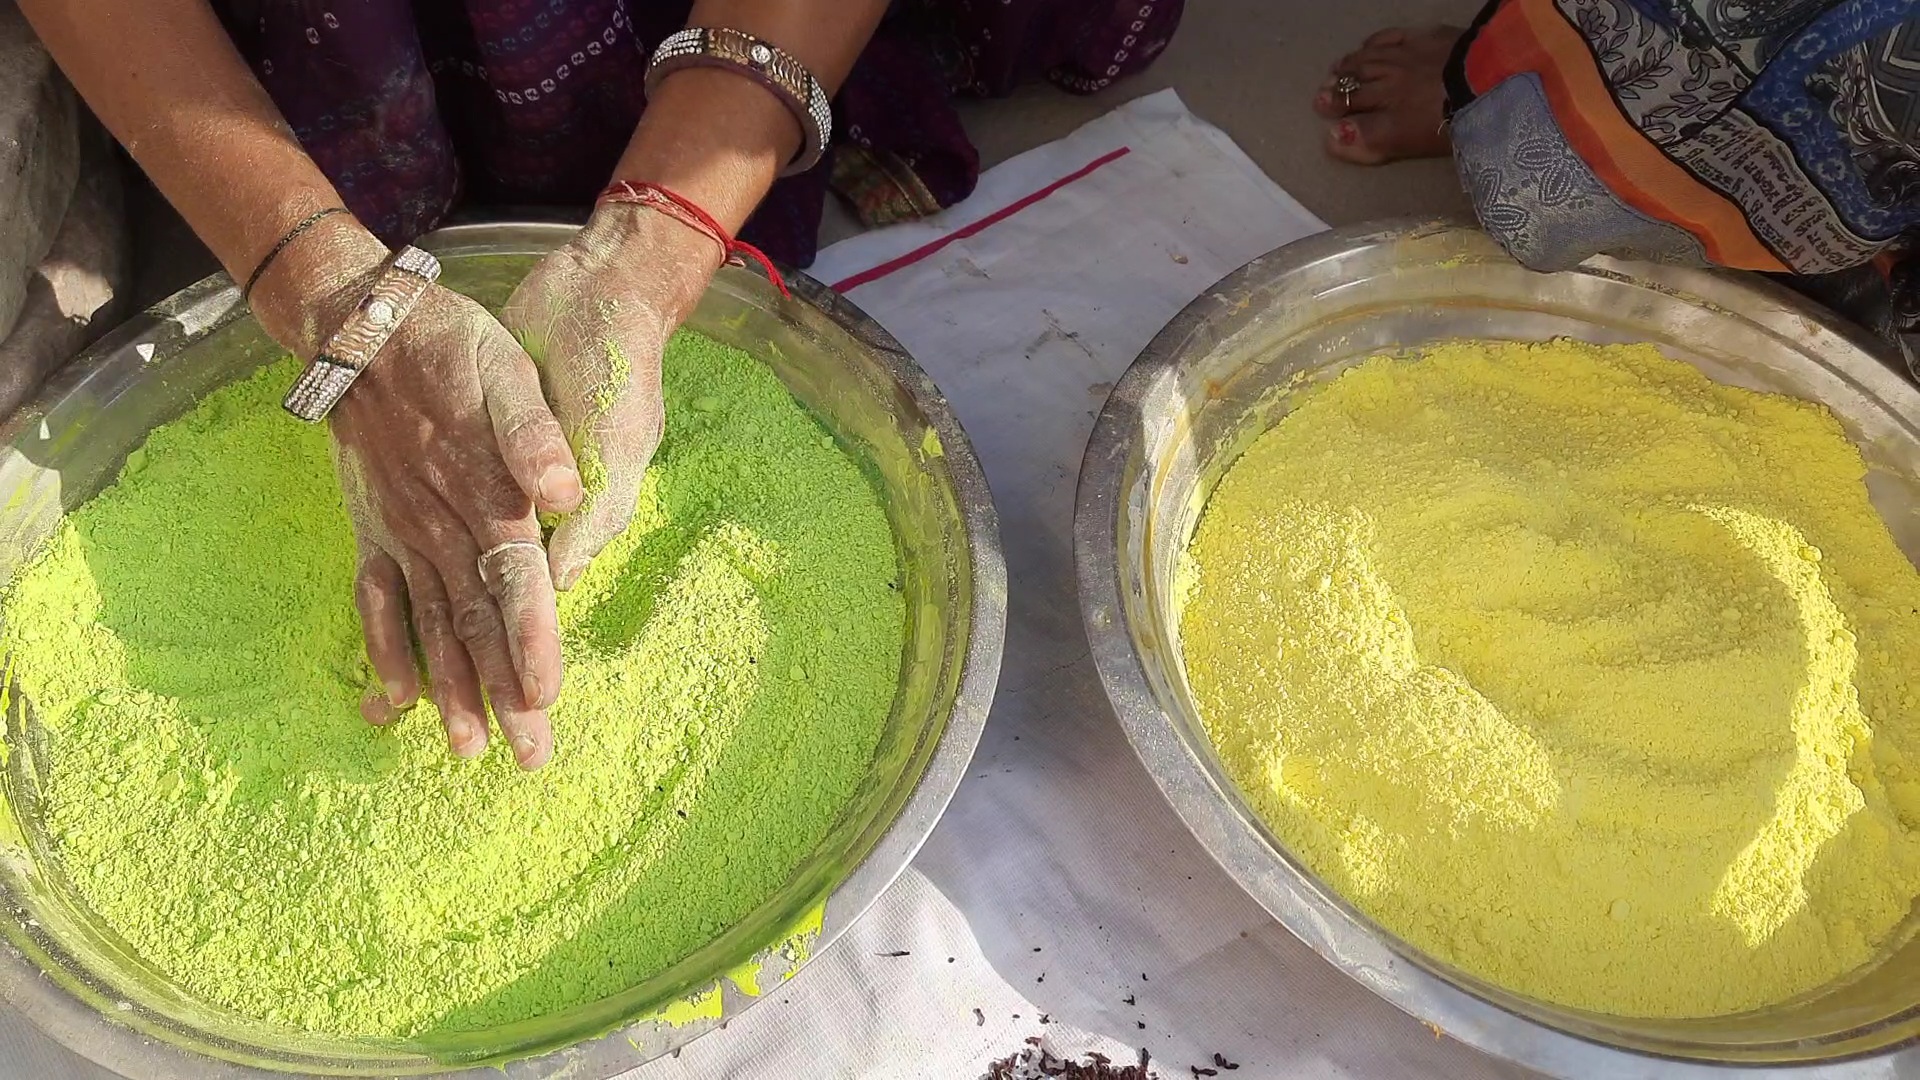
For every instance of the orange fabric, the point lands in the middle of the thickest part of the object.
(1531, 35)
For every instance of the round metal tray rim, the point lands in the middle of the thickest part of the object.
(212, 303)
(1293, 896)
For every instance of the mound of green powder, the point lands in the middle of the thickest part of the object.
(189, 643)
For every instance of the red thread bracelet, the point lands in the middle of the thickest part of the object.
(686, 212)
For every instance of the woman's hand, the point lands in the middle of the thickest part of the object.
(445, 448)
(445, 444)
(595, 316)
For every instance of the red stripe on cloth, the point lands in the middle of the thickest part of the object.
(1005, 212)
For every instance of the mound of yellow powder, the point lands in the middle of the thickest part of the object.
(189, 645)
(1574, 669)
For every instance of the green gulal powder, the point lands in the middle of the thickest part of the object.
(190, 645)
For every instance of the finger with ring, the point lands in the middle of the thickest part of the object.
(488, 563)
(493, 629)
(514, 573)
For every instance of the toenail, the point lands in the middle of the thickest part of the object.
(1346, 132)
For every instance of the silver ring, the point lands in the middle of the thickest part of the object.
(481, 563)
(1345, 85)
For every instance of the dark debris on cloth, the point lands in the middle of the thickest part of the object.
(1036, 1062)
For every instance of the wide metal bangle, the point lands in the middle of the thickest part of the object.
(358, 341)
(766, 64)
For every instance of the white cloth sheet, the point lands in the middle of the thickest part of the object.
(1060, 882)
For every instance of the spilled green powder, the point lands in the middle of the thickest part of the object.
(189, 644)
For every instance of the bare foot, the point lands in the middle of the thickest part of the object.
(1398, 107)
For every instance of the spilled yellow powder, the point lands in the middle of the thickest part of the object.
(1573, 668)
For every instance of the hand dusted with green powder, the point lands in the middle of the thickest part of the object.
(596, 327)
(189, 644)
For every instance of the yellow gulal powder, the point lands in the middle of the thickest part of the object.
(1573, 668)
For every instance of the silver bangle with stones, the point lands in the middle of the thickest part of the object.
(764, 63)
(357, 343)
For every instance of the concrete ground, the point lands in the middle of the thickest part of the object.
(1248, 66)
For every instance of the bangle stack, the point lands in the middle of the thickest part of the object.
(351, 348)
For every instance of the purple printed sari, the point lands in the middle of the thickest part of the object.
(410, 106)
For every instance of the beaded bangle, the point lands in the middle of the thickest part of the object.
(766, 64)
(358, 341)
